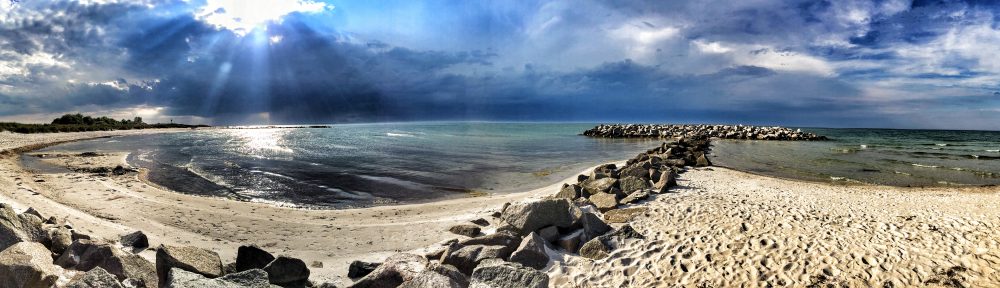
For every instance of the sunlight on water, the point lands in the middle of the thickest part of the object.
(262, 143)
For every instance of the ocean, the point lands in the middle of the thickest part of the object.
(357, 165)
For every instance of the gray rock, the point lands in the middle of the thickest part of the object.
(22, 227)
(179, 278)
(569, 192)
(550, 233)
(624, 215)
(251, 257)
(396, 270)
(530, 216)
(636, 197)
(631, 184)
(604, 201)
(450, 272)
(481, 222)
(593, 226)
(465, 230)
(429, 278)
(532, 252)
(570, 242)
(187, 258)
(635, 171)
(84, 255)
(667, 179)
(500, 274)
(95, 278)
(596, 248)
(466, 258)
(501, 238)
(137, 240)
(361, 268)
(287, 271)
(61, 238)
(32, 211)
(592, 187)
(27, 264)
(703, 161)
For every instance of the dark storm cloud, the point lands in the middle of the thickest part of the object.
(818, 63)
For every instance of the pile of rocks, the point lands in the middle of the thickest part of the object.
(40, 253)
(580, 218)
(717, 131)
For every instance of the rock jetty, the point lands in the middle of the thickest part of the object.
(712, 131)
(588, 218)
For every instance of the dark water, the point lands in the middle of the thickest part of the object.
(877, 156)
(360, 165)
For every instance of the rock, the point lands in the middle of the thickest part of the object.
(22, 227)
(549, 233)
(636, 196)
(394, 271)
(500, 274)
(466, 258)
(631, 184)
(604, 201)
(429, 278)
(667, 179)
(703, 161)
(571, 241)
(95, 278)
(78, 236)
(251, 257)
(481, 222)
(32, 211)
(675, 162)
(118, 170)
(27, 264)
(532, 252)
(179, 278)
(634, 171)
(592, 187)
(136, 240)
(287, 270)
(61, 239)
(360, 268)
(84, 255)
(316, 264)
(465, 230)
(626, 232)
(624, 215)
(569, 192)
(593, 227)
(530, 216)
(450, 272)
(502, 238)
(581, 178)
(596, 248)
(187, 258)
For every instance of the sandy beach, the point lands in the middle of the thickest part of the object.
(720, 228)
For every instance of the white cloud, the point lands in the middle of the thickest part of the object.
(243, 16)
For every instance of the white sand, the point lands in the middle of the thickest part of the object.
(798, 234)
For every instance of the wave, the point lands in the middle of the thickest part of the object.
(924, 166)
(390, 134)
(994, 151)
(942, 145)
(903, 173)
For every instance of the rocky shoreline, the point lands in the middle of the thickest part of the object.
(712, 131)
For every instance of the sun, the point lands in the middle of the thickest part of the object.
(243, 16)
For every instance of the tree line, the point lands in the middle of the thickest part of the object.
(80, 123)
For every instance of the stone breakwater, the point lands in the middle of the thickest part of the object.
(588, 219)
(712, 131)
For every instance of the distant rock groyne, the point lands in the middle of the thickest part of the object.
(717, 131)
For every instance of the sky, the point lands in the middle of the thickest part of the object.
(844, 63)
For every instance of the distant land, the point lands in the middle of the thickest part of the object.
(80, 123)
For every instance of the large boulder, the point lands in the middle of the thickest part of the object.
(593, 227)
(27, 264)
(532, 252)
(450, 272)
(251, 257)
(287, 271)
(501, 238)
(703, 161)
(187, 258)
(61, 238)
(136, 240)
(95, 278)
(84, 255)
(394, 271)
(179, 278)
(634, 171)
(501, 274)
(591, 187)
(466, 258)
(22, 227)
(569, 192)
(596, 248)
(666, 180)
(429, 278)
(361, 268)
(529, 216)
(604, 201)
(636, 196)
(631, 184)
(570, 242)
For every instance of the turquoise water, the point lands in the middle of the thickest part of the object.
(875, 156)
(366, 164)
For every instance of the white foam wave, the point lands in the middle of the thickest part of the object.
(941, 144)
(994, 150)
(390, 134)
(925, 166)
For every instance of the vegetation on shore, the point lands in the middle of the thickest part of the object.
(80, 123)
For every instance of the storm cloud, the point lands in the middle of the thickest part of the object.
(910, 64)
